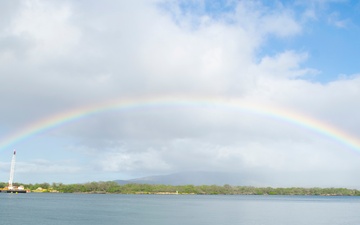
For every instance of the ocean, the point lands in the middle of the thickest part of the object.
(106, 209)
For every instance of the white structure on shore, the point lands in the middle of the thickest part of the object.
(12, 171)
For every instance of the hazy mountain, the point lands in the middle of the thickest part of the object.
(195, 178)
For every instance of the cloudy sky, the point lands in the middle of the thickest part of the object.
(190, 69)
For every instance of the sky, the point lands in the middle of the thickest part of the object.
(107, 90)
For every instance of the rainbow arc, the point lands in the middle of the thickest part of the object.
(294, 118)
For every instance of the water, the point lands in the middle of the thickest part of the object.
(89, 209)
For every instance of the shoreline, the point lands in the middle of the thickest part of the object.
(111, 187)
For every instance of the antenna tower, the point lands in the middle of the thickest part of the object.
(12, 170)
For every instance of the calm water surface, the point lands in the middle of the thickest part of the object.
(88, 209)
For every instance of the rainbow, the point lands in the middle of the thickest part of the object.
(278, 113)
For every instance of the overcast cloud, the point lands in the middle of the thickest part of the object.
(59, 55)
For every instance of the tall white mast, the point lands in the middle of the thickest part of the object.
(12, 170)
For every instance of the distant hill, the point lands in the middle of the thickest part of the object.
(244, 178)
(195, 178)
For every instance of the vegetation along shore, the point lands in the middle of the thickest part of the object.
(115, 188)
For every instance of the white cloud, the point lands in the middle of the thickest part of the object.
(255, 17)
(148, 160)
(284, 65)
(84, 53)
(46, 166)
(47, 26)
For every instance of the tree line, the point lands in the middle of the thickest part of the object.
(133, 188)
